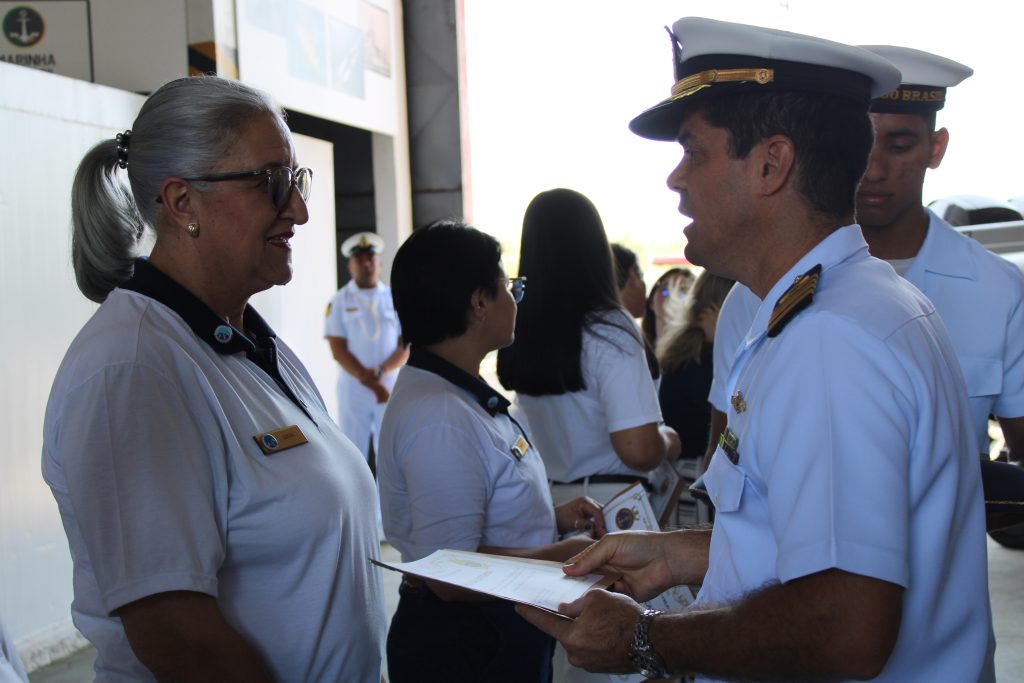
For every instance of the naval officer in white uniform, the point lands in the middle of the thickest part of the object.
(366, 340)
(847, 489)
(978, 295)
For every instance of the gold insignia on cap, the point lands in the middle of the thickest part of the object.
(699, 81)
(738, 404)
(793, 300)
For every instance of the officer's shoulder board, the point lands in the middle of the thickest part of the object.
(793, 300)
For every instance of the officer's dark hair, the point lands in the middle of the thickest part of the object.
(625, 261)
(564, 255)
(832, 137)
(435, 273)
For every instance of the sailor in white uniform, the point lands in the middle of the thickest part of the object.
(366, 340)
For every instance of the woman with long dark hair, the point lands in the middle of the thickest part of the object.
(578, 365)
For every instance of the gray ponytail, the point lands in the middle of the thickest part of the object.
(105, 224)
(183, 129)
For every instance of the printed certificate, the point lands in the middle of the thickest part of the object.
(538, 583)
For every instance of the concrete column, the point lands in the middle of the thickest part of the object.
(434, 74)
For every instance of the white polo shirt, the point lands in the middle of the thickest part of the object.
(573, 430)
(449, 472)
(150, 449)
(855, 452)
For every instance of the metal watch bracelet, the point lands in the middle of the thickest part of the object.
(641, 654)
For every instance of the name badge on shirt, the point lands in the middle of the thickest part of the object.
(729, 442)
(351, 309)
(520, 447)
(280, 439)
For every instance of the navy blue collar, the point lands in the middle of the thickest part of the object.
(207, 325)
(489, 399)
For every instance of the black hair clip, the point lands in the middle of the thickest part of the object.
(123, 140)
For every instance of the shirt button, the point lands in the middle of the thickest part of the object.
(492, 402)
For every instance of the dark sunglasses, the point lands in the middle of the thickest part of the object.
(280, 181)
(517, 287)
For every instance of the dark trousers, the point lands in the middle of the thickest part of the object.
(433, 640)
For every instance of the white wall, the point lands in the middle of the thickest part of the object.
(49, 123)
(138, 45)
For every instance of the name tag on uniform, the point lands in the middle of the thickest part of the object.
(280, 439)
(351, 309)
(520, 447)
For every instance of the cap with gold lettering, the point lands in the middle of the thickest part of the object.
(714, 58)
(925, 79)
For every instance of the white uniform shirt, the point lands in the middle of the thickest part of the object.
(978, 295)
(367, 321)
(572, 430)
(734, 318)
(855, 452)
(447, 472)
(150, 451)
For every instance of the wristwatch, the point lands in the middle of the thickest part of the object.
(378, 371)
(641, 654)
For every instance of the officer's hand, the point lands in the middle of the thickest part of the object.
(598, 639)
(640, 557)
(580, 514)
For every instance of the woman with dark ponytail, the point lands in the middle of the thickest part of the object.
(220, 524)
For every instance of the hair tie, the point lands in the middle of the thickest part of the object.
(123, 140)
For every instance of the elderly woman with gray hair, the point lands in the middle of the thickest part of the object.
(220, 524)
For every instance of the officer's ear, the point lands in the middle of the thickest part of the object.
(938, 142)
(776, 156)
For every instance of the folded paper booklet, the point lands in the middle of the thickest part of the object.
(538, 583)
(630, 510)
(666, 487)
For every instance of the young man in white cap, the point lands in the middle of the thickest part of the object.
(366, 340)
(848, 495)
(978, 295)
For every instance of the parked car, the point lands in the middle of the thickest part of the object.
(969, 209)
(997, 225)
